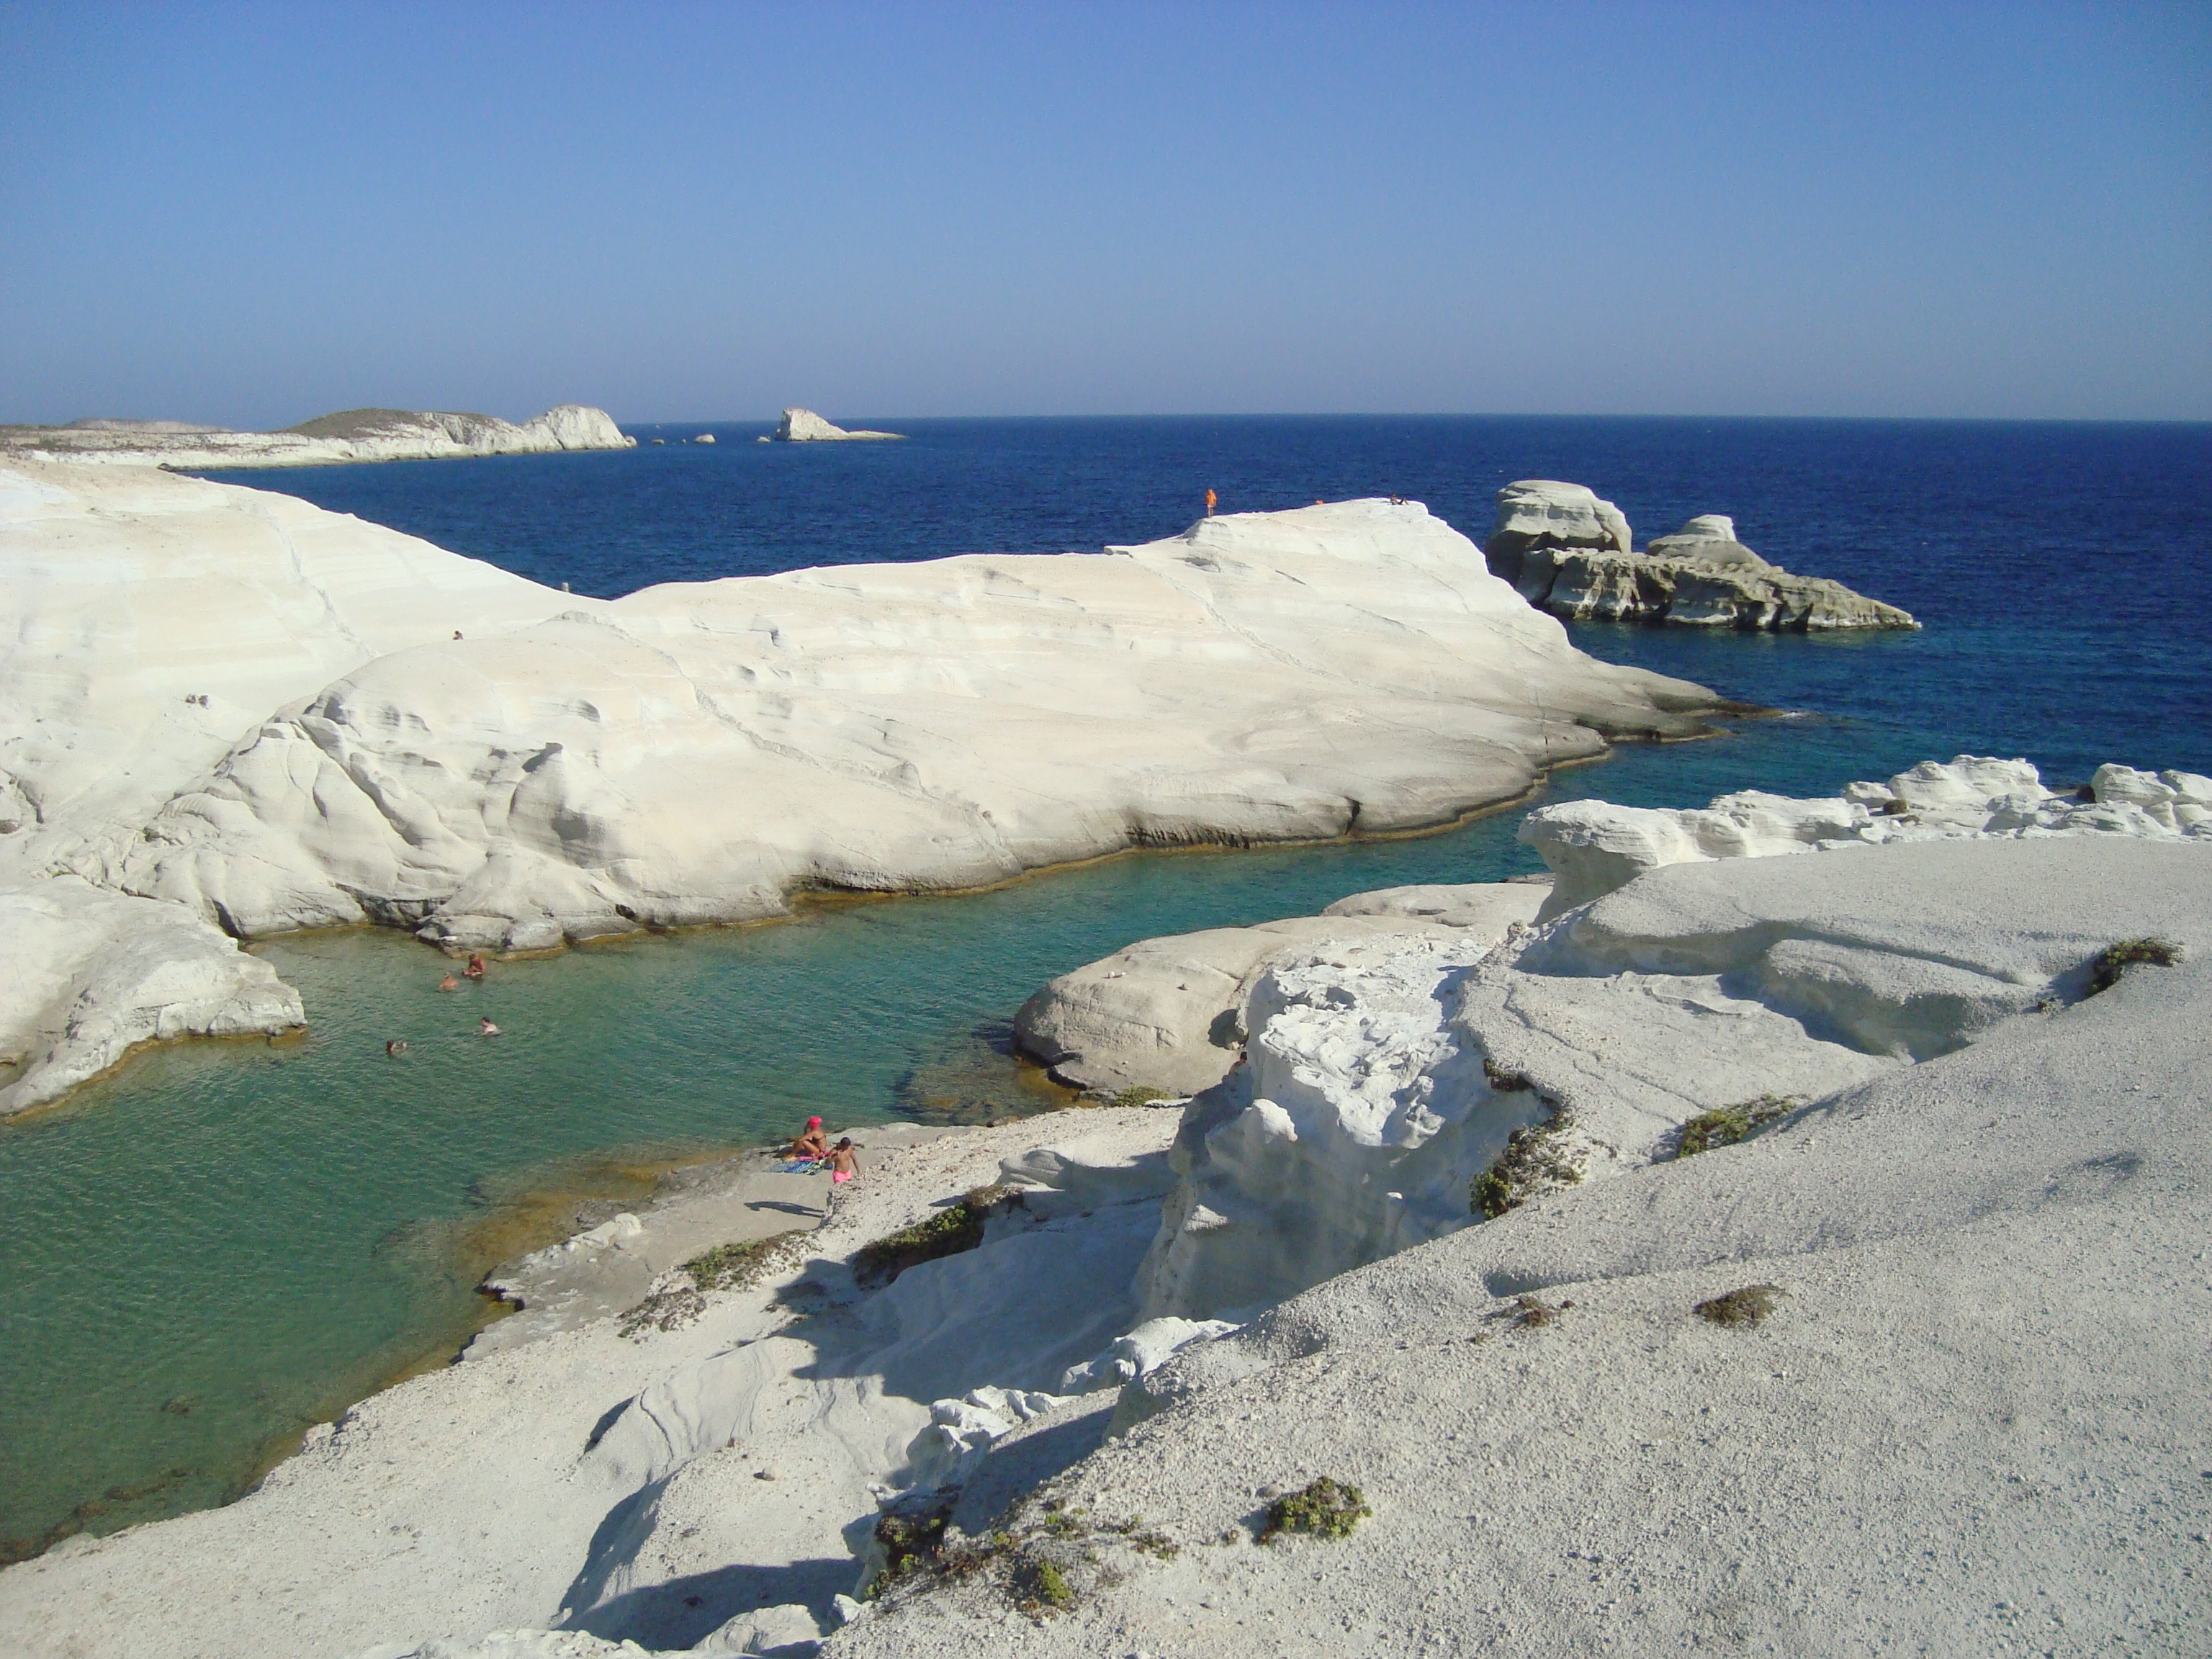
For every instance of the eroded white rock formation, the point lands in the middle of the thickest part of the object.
(1382, 1076)
(1167, 1014)
(1979, 1215)
(1594, 846)
(1569, 553)
(354, 435)
(280, 718)
(1543, 515)
(804, 426)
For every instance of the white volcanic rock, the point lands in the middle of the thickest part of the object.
(1594, 846)
(93, 973)
(354, 434)
(635, 763)
(804, 426)
(1559, 548)
(1992, 1341)
(283, 718)
(1544, 514)
(611, 1487)
(1987, 1354)
(1166, 1013)
(151, 622)
(1384, 1079)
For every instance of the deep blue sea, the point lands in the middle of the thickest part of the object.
(2063, 569)
(227, 1242)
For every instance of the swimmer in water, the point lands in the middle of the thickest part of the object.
(476, 967)
(449, 983)
(485, 1028)
(394, 1048)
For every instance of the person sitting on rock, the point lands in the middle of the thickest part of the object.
(476, 967)
(811, 1145)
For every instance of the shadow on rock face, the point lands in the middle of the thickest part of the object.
(682, 1612)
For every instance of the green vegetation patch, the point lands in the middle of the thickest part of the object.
(912, 1538)
(1141, 1095)
(2114, 960)
(1536, 1160)
(1724, 1126)
(1043, 1566)
(1041, 1586)
(1746, 1306)
(948, 1232)
(1324, 1509)
(741, 1266)
(663, 1310)
(1503, 1081)
(725, 1267)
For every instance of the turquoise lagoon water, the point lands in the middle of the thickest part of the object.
(227, 1242)
(224, 1242)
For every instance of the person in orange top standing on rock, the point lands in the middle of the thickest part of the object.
(1209, 503)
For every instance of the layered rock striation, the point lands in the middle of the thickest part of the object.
(277, 718)
(354, 435)
(1569, 553)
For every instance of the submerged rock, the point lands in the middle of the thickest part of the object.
(1569, 553)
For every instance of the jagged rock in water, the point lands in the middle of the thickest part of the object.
(804, 426)
(1544, 514)
(1701, 577)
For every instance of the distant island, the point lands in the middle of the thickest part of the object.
(352, 435)
(804, 426)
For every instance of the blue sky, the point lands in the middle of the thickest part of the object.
(251, 216)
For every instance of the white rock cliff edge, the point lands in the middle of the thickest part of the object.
(277, 718)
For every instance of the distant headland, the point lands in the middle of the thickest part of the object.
(352, 435)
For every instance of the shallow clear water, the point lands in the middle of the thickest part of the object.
(226, 1241)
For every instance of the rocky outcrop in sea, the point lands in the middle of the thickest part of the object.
(804, 426)
(1569, 552)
